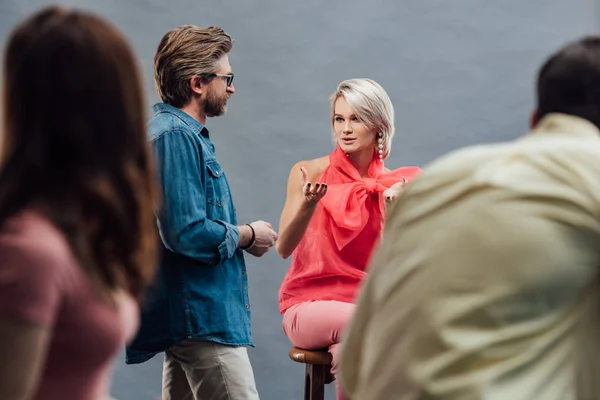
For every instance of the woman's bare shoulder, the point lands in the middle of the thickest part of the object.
(314, 167)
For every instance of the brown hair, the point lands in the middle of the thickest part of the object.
(75, 145)
(184, 52)
(569, 81)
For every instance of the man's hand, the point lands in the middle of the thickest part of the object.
(264, 238)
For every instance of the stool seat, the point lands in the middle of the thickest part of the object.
(317, 357)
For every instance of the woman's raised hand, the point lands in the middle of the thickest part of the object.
(312, 193)
(390, 194)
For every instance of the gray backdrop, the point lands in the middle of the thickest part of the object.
(458, 72)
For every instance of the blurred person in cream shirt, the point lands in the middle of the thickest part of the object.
(485, 285)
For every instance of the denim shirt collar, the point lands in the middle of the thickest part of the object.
(187, 119)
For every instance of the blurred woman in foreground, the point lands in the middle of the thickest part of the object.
(77, 230)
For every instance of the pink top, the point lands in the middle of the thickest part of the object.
(329, 262)
(41, 283)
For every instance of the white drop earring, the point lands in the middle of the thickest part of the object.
(380, 146)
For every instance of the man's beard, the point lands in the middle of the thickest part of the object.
(214, 106)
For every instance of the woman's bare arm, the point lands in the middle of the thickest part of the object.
(23, 347)
(300, 205)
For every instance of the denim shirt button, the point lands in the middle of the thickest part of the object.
(247, 305)
(243, 272)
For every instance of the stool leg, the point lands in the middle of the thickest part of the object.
(314, 388)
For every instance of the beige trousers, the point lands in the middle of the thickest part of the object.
(198, 370)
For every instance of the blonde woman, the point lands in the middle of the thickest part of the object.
(332, 225)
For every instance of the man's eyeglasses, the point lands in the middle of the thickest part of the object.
(229, 77)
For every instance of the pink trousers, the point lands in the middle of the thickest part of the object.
(318, 325)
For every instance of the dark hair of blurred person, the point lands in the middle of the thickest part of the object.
(77, 230)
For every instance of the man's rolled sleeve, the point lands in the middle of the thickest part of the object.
(230, 243)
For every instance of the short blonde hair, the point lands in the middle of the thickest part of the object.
(183, 52)
(372, 106)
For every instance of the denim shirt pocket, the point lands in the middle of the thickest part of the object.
(217, 189)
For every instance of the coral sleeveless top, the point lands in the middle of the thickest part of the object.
(330, 261)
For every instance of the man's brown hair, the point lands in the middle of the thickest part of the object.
(184, 52)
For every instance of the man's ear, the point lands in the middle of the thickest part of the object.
(196, 85)
(533, 119)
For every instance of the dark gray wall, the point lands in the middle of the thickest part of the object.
(459, 72)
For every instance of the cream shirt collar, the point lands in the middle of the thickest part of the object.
(557, 123)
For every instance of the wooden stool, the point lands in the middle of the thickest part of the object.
(318, 371)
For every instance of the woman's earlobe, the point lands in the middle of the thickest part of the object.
(380, 145)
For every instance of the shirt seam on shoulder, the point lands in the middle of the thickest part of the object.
(165, 131)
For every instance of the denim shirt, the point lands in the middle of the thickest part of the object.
(201, 288)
